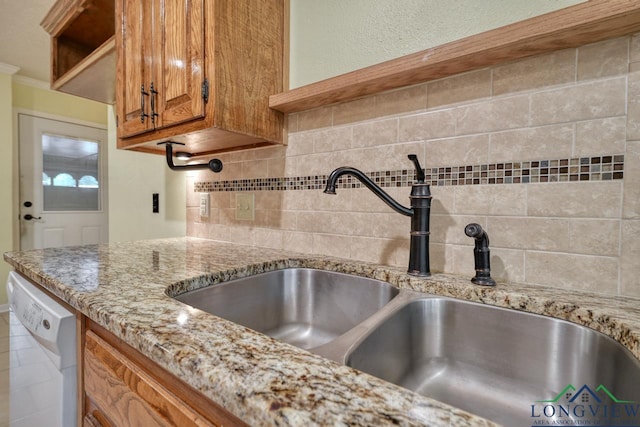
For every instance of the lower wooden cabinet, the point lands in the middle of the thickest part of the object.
(124, 388)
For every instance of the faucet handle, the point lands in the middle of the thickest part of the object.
(419, 172)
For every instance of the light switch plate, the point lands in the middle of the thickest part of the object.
(245, 206)
(204, 205)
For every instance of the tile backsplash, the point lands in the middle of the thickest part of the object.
(544, 153)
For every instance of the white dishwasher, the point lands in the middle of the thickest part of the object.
(42, 370)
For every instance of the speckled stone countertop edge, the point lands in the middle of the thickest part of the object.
(260, 380)
(229, 378)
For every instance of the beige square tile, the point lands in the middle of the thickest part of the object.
(607, 58)
(384, 157)
(375, 133)
(341, 223)
(315, 119)
(269, 200)
(634, 48)
(633, 106)
(594, 236)
(277, 167)
(449, 229)
(443, 201)
(241, 235)
(316, 200)
(198, 229)
(506, 264)
(547, 234)
(268, 238)
(334, 139)
(193, 215)
(440, 257)
(400, 101)
(363, 200)
(585, 101)
(230, 171)
(631, 183)
(241, 156)
(629, 266)
(300, 143)
(292, 122)
(271, 152)
(463, 87)
(501, 200)
(598, 199)
(464, 150)
(282, 220)
(568, 271)
(193, 198)
(380, 225)
(316, 164)
(544, 142)
(601, 136)
(496, 114)
(353, 111)
(540, 71)
(429, 125)
(298, 242)
(255, 169)
(376, 250)
(332, 245)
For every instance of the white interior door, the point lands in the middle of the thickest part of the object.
(63, 177)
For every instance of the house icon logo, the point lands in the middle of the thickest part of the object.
(585, 406)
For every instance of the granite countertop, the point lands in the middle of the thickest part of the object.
(122, 287)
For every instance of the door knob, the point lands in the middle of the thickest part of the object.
(29, 217)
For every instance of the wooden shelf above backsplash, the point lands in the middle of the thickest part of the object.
(585, 23)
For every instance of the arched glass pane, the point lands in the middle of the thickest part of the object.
(64, 180)
(46, 179)
(88, 181)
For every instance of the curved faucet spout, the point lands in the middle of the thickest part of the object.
(367, 182)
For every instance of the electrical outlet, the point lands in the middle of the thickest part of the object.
(204, 205)
(245, 206)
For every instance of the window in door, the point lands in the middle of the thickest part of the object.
(70, 174)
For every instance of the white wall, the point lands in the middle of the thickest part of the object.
(331, 37)
(133, 178)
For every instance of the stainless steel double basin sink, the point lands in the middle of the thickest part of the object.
(508, 366)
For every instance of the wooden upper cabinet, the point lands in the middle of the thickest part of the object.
(134, 65)
(160, 64)
(199, 72)
(180, 78)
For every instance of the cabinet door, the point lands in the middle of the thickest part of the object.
(179, 54)
(135, 66)
(123, 392)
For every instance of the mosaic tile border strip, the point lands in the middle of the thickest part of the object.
(599, 168)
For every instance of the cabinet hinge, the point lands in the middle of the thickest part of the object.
(205, 90)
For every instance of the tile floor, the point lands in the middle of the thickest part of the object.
(4, 369)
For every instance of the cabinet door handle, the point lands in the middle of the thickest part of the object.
(142, 95)
(154, 96)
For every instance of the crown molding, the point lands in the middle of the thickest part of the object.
(28, 81)
(8, 68)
